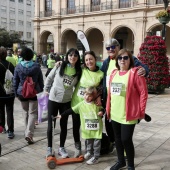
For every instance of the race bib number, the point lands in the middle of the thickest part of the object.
(81, 92)
(92, 124)
(67, 80)
(116, 88)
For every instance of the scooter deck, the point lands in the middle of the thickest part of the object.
(65, 160)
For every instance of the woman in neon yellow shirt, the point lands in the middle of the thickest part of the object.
(126, 103)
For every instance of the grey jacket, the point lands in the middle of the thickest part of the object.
(54, 84)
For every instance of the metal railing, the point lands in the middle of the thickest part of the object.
(47, 13)
(108, 5)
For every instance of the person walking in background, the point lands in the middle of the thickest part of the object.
(91, 76)
(126, 103)
(50, 64)
(15, 56)
(91, 123)
(6, 100)
(44, 59)
(61, 82)
(112, 47)
(29, 105)
(19, 55)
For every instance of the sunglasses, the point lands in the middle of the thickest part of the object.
(111, 47)
(74, 55)
(124, 57)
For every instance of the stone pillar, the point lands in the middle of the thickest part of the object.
(37, 36)
(37, 9)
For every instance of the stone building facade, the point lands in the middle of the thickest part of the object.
(129, 21)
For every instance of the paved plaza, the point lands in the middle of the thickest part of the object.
(151, 140)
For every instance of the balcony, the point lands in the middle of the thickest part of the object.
(47, 13)
(108, 5)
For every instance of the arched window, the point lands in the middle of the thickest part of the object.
(124, 3)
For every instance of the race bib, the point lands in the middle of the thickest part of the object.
(67, 80)
(91, 124)
(81, 92)
(116, 88)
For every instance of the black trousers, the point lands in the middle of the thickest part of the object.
(7, 103)
(53, 108)
(123, 140)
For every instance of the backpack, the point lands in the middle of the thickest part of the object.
(105, 144)
(8, 82)
(28, 88)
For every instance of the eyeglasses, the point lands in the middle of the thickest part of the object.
(111, 47)
(124, 57)
(75, 55)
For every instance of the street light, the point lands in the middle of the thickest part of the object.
(166, 2)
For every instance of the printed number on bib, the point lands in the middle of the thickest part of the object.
(116, 88)
(91, 124)
(67, 80)
(81, 91)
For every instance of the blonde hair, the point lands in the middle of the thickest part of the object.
(91, 91)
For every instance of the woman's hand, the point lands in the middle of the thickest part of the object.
(58, 116)
(98, 101)
(58, 63)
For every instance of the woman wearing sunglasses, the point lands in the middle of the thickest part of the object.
(126, 103)
(61, 82)
(113, 47)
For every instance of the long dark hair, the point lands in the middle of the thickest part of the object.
(77, 65)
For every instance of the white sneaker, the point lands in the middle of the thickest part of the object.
(62, 152)
(87, 155)
(77, 153)
(92, 161)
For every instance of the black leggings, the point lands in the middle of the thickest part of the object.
(76, 127)
(123, 140)
(53, 108)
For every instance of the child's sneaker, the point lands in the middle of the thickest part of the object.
(87, 155)
(62, 152)
(92, 161)
(49, 152)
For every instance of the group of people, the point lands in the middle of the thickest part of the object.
(117, 92)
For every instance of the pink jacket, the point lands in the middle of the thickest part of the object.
(136, 96)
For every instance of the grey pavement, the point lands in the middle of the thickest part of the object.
(151, 140)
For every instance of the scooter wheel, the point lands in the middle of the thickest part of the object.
(52, 164)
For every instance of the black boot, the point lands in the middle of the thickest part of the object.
(118, 165)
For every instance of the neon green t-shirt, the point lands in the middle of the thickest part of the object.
(15, 57)
(88, 78)
(50, 63)
(91, 123)
(111, 67)
(11, 60)
(68, 76)
(118, 98)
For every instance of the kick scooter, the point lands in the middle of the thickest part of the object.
(52, 161)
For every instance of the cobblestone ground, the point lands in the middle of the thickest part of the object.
(151, 140)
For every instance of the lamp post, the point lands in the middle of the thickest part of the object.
(166, 2)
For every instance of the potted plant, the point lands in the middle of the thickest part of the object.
(163, 16)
